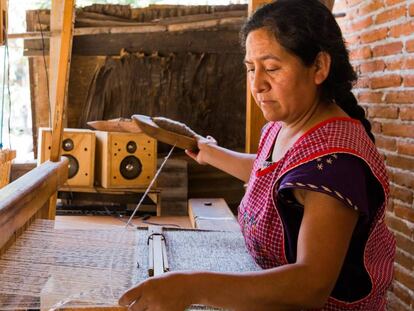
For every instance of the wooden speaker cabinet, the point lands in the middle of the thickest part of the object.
(125, 160)
(78, 145)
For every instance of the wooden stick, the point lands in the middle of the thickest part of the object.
(116, 125)
(157, 251)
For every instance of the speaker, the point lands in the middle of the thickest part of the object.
(78, 145)
(125, 160)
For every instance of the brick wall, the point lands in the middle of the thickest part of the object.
(380, 38)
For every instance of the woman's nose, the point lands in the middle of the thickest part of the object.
(259, 84)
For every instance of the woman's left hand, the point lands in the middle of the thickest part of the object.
(169, 292)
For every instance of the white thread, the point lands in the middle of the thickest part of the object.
(63, 302)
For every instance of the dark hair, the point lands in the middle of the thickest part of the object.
(305, 28)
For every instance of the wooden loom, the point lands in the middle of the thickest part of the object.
(33, 196)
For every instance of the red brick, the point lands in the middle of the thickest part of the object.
(408, 63)
(411, 9)
(405, 212)
(385, 81)
(402, 162)
(398, 225)
(392, 2)
(405, 261)
(400, 291)
(383, 112)
(402, 29)
(376, 127)
(405, 244)
(407, 114)
(352, 40)
(361, 53)
(387, 49)
(409, 46)
(402, 130)
(404, 276)
(361, 24)
(376, 65)
(394, 304)
(387, 143)
(409, 80)
(371, 7)
(374, 35)
(402, 97)
(405, 148)
(392, 14)
(362, 82)
(370, 97)
(403, 179)
(405, 195)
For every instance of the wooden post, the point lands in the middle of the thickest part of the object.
(61, 25)
(254, 116)
(3, 22)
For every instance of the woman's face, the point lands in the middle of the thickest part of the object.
(283, 87)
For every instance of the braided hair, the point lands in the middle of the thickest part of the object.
(305, 28)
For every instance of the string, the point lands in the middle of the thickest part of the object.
(71, 298)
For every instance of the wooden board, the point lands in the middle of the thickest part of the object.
(211, 214)
(23, 198)
(200, 41)
(6, 157)
(116, 125)
(151, 129)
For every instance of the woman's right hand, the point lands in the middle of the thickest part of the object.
(203, 144)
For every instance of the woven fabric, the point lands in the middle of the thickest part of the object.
(261, 224)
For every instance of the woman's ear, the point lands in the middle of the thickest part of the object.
(322, 67)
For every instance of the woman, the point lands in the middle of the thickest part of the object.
(312, 215)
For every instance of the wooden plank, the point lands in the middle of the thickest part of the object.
(3, 21)
(211, 214)
(201, 41)
(116, 125)
(60, 51)
(21, 199)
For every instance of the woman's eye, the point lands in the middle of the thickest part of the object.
(272, 69)
(250, 70)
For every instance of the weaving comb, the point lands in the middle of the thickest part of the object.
(149, 127)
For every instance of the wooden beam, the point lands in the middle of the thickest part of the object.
(61, 25)
(62, 19)
(201, 41)
(21, 199)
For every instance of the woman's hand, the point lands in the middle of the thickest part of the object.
(167, 292)
(203, 144)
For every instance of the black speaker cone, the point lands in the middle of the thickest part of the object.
(67, 144)
(73, 165)
(130, 167)
(131, 146)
